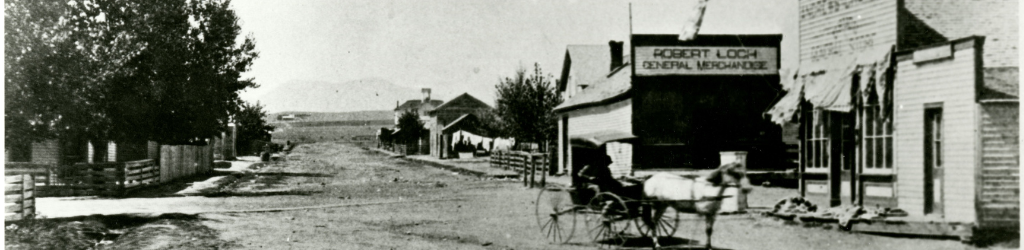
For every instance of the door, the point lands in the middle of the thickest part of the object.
(846, 154)
(933, 161)
(841, 171)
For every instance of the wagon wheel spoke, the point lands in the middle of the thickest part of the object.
(608, 219)
(555, 215)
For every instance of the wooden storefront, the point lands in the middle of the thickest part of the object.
(685, 103)
(919, 121)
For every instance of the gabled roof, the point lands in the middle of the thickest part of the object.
(589, 63)
(611, 87)
(468, 123)
(463, 101)
(415, 104)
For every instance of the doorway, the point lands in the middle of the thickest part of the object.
(933, 194)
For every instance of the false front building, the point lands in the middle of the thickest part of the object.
(902, 104)
(686, 103)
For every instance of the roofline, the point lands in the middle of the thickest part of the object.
(622, 96)
(756, 40)
(432, 111)
(975, 38)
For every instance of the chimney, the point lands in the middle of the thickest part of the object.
(426, 95)
(616, 48)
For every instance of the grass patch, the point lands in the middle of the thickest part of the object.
(168, 231)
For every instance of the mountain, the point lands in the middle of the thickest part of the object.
(300, 116)
(321, 96)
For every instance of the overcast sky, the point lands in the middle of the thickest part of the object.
(456, 46)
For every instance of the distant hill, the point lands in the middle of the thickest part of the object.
(301, 116)
(320, 96)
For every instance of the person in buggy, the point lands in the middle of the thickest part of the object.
(596, 177)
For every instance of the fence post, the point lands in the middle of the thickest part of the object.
(522, 168)
(533, 170)
(544, 172)
(22, 187)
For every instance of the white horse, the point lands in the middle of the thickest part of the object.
(692, 195)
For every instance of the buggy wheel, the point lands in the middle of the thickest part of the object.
(607, 219)
(556, 214)
(664, 226)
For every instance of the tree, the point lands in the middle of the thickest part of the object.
(251, 125)
(410, 126)
(167, 71)
(492, 123)
(526, 106)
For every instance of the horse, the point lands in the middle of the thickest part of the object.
(701, 196)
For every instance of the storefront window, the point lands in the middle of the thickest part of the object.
(876, 147)
(818, 141)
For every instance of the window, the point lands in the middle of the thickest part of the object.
(817, 150)
(876, 145)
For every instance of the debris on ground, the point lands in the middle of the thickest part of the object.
(842, 214)
(795, 205)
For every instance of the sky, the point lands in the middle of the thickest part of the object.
(456, 46)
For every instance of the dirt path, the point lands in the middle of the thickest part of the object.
(370, 201)
(487, 214)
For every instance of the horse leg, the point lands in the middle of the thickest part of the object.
(709, 223)
(651, 220)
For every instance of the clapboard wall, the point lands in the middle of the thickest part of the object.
(615, 117)
(831, 28)
(999, 201)
(47, 151)
(951, 84)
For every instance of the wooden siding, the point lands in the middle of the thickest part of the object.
(1000, 165)
(111, 151)
(45, 151)
(622, 158)
(952, 83)
(617, 117)
(830, 28)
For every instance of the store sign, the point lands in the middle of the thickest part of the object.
(676, 60)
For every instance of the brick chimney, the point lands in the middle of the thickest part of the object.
(426, 95)
(616, 48)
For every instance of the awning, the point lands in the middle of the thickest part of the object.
(829, 85)
(596, 139)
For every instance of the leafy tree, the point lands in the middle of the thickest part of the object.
(411, 127)
(526, 104)
(492, 123)
(251, 125)
(166, 70)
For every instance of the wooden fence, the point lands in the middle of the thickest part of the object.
(529, 165)
(19, 197)
(107, 179)
(177, 161)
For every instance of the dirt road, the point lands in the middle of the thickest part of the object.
(335, 196)
(429, 208)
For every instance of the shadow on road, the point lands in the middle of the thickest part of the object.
(665, 242)
(171, 188)
(289, 174)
